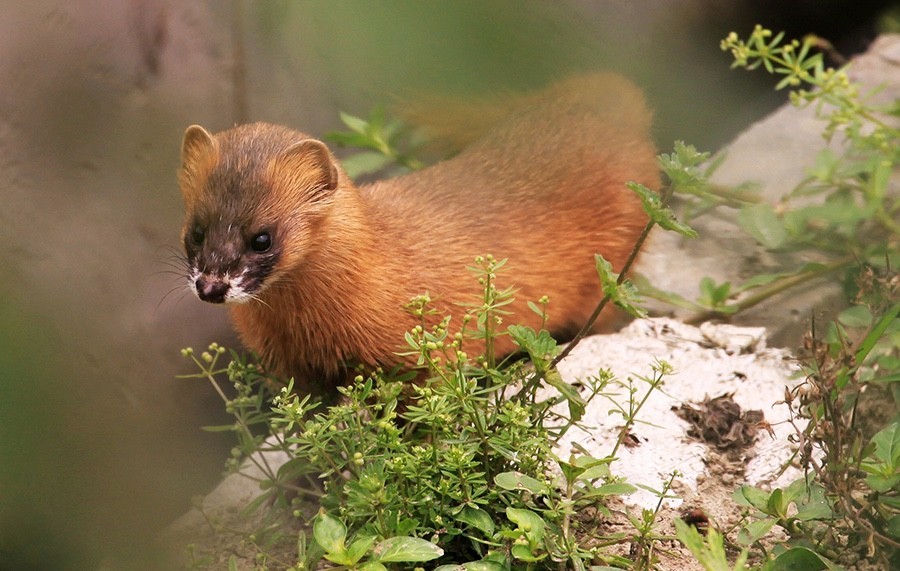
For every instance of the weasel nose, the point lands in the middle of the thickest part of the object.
(211, 289)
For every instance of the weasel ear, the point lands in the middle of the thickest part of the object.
(197, 142)
(199, 153)
(308, 164)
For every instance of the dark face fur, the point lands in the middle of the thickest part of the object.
(229, 263)
(252, 196)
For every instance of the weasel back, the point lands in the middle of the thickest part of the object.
(543, 186)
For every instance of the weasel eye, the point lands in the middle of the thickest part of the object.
(261, 242)
(197, 235)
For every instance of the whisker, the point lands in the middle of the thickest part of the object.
(178, 273)
(175, 262)
(171, 253)
(184, 291)
(257, 299)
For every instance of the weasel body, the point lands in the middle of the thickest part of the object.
(317, 271)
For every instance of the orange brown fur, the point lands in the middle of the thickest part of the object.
(543, 185)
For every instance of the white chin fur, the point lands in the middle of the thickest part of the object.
(236, 293)
(237, 296)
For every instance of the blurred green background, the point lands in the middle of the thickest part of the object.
(100, 445)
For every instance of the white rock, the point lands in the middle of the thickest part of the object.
(702, 369)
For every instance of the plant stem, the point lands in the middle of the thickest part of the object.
(765, 292)
(632, 258)
(632, 414)
(209, 373)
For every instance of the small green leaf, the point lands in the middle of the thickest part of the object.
(646, 289)
(658, 212)
(540, 345)
(365, 162)
(483, 565)
(813, 504)
(571, 470)
(575, 402)
(747, 495)
(406, 549)
(892, 502)
(826, 165)
(839, 214)
(796, 490)
(612, 489)
(372, 566)
(802, 558)
(330, 533)
(761, 222)
(882, 484)
(856, 316)
(518, 481)
(683, 168)
(357, 549)
(219, 428)
(759, 280)
(765, 279)
(350, 139)
(599, 469)
(709, 552)
(887, 445)
(525, 553)
(893, 526)
(885, 321)
(776, 506)
(755, 530)
(477, 518)
(624, 295)
(608, 278)
(713, 295)
(879, 180)
(355, 123)
(339, 557)
(529, 522)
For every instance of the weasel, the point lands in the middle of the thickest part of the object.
(317, 270)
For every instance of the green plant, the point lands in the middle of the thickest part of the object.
(365, 552)
(711, 551)
(633, 404)
(463, 458)
(247, 406)
(387, 142)
(854, 218)
(843, 215)
(644, 542)
(859, 475)
(466, 463)
(801, 509)
(849, 507)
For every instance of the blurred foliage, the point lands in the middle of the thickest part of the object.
(360, 53)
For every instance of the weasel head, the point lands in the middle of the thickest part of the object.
(254, 196)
